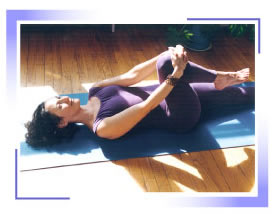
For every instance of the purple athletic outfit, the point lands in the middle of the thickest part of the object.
(181, 110)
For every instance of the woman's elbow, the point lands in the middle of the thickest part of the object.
(107, 136)
(111, 137)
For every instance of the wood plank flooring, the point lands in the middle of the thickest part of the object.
(67, 57)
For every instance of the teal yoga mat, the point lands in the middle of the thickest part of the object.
(223, 130)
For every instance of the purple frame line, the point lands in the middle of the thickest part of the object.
(14, 15)
(234, 19)
(30, 198)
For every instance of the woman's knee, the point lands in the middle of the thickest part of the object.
(164, 66)
(164, 62)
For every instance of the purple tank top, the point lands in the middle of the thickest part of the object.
(115, 99)
(180, 110)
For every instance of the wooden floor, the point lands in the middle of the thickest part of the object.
(65, 58)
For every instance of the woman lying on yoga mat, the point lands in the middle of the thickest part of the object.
(185, 91)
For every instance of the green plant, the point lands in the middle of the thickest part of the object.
(199, 37)
(178, 34)
(238, 30)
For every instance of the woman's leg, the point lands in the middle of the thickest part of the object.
(183, 107)
(230, 100)
(182, 104)
(188, 100)
(192, 72)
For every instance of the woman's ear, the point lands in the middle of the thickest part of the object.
(63, 123)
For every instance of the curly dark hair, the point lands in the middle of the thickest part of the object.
(43, 130)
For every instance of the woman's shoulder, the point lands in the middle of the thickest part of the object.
(104, 91)
(93, 91)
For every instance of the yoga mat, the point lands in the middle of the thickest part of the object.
(232, 129)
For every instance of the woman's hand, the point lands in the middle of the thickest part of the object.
(179, 59)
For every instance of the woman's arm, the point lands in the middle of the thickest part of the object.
(133, 76)
(119, 124)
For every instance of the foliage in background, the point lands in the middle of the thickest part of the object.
(178, 34)
(238, 30)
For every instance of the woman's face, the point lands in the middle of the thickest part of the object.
(64, 106)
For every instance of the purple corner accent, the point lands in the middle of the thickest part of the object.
(30, 198)
(259, 35)
(16, 175)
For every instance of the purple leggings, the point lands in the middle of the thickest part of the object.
(195, 97)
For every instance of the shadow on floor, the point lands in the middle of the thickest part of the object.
(216, 176)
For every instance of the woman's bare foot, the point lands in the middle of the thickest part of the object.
(225, 79)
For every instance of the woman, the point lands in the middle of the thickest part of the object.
(185, 91)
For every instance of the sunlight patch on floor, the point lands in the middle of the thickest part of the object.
(231, 122)
(254, 189)
(87, 86)
(94, 179)
(179, 164)
(234, 157)
(29, 98)
(183, 187)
